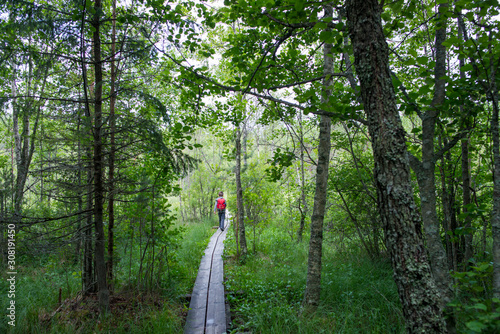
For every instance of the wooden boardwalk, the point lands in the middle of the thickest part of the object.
(207, 309)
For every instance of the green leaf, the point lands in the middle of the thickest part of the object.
(320, 25)
(416, 130)
(299, 5)
(475, 326)
(453, 40)
(480, 306)
(409, 62)
(396, 6)
(467, 67)
(422, 60)
(326, 36)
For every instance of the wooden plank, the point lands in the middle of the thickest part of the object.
(216, 318)
(207, 309)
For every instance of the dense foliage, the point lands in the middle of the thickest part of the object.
(122, 120)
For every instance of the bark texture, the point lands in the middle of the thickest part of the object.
(449, 212)
(302, 202)
(313, 283)
(88, 258)
(111, 204)
(401, 220)
(426, 174)
(100, 261)
(495, 218)
(239, 197)
(465, 161)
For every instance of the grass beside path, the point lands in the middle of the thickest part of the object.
(358, 295)
(132, 311)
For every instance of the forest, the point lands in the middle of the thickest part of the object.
(356, 142)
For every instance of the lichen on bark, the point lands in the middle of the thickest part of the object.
(401, 220)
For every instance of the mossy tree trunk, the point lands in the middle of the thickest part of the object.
(419, 296)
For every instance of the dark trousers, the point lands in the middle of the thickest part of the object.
(222, 216)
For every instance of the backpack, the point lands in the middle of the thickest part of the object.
(221, 204)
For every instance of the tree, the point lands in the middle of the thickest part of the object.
(239, 189)
(313, 285)
(98, 161)
(401, 220)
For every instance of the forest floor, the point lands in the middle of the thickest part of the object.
(48, 296)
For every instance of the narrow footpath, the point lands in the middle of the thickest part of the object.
(207, 309)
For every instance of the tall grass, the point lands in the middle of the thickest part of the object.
(38, 284)
(192, 248)
(358, 294)
(37, 290)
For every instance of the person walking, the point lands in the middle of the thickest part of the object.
(220, 207)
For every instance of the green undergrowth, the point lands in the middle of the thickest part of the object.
(475, 308)
(39, 284)
(265, 293)
(190, 252)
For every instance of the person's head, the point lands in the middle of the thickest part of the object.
(221, 193)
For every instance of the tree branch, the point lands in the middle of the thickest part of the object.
(296, 25)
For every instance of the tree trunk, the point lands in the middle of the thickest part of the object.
(19, 139)
(495, 217)
(491, 89)
(100, 260)
(420, 298)
(313, 283)
(112, 121)
(88, 273)
(239, 197)
(17, 143)
(237, 235)
(303, 202)
(24, 145)
(426, 174)
(79, 234)
(425, 171)
(466, 200)
(448, 198)
(88, 263)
